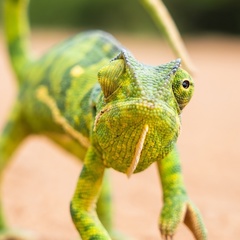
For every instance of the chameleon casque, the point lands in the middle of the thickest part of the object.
(94, 99)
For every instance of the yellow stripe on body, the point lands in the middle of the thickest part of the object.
(43, 96)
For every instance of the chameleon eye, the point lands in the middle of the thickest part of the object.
(182, 86)
(108, 76)
(186, 84)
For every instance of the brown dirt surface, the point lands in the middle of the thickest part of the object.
(39, 182)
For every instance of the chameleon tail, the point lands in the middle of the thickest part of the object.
(17, 32)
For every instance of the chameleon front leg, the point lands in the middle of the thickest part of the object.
(177, 206)
(83, 204)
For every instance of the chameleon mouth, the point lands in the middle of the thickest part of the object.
(149, 109)
(99, 115)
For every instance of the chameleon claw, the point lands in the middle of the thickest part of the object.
(166, 237)
(170, 237)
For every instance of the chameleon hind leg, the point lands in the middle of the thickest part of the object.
(104, 203)
(14, 132)
(105, 208)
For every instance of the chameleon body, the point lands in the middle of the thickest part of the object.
(94, 99)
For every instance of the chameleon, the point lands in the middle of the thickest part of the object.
(91, 97)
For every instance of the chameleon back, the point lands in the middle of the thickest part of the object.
(69, 73)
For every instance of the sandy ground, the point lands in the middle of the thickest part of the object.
(40, 180)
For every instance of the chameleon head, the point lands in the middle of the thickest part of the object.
(138, 113)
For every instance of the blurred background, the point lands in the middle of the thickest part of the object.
(42, 177)
(190, 16)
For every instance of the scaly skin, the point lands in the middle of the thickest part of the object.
(91, 97)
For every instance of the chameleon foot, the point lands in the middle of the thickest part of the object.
(177, 210)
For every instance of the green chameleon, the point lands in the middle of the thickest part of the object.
(94, 99)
